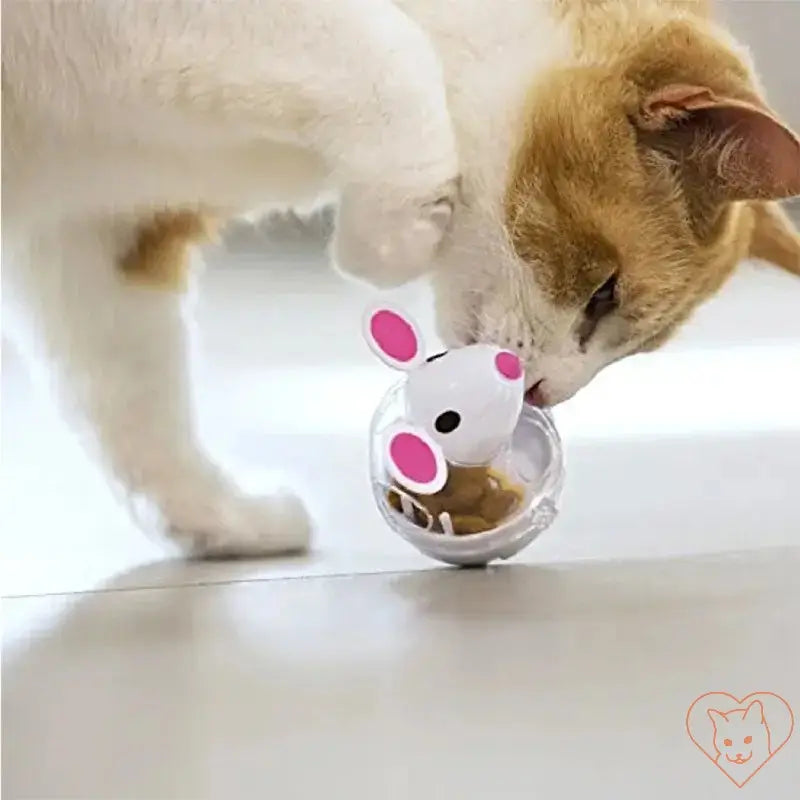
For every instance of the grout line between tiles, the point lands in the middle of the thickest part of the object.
(790, 550)
(230, 582)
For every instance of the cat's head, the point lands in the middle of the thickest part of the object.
(741, 734)
(637, 183)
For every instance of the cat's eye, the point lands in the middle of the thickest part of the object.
(603, 301)
(748, 739)
(728, 742)
(600, 304)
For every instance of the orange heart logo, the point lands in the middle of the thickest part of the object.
(739, 736)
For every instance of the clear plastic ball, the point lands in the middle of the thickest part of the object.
(532, 461)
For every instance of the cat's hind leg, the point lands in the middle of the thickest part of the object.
(119, 354)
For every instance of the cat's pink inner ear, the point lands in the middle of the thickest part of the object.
(394, 335)
(414, 458)
(739, 144)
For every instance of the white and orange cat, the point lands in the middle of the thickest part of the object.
(576, 175)
(741, 740)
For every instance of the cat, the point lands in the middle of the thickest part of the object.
(741, 740)
(576, 177)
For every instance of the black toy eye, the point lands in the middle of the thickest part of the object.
(600, 305)
(434, 357)
(447, 421)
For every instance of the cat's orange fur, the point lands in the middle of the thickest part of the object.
(160, 255)
(589, 198)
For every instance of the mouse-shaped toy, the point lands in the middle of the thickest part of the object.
(461, 408)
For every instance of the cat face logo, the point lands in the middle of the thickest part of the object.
(739, 736)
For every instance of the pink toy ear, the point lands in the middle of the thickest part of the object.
(414, 460)
(393, 338)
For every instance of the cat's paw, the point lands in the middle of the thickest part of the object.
(387, 238)
(233, 525)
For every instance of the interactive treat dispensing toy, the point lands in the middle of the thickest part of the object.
(460, 466)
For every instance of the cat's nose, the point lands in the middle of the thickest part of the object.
(537, 395)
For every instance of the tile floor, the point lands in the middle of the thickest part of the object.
(365, 670)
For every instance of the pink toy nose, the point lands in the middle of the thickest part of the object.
(508, 365)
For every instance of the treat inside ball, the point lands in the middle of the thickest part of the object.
(475, 499)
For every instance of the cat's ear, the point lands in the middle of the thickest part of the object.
(735, 147)
(717, 717)
(754, 712)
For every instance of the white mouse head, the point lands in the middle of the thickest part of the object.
(461, 405)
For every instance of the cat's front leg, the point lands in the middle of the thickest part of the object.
(386, 238)
(398, 165)
(355, 81)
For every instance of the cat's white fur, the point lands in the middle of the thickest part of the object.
(112, 110)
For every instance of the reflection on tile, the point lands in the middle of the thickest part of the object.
(514, 682)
